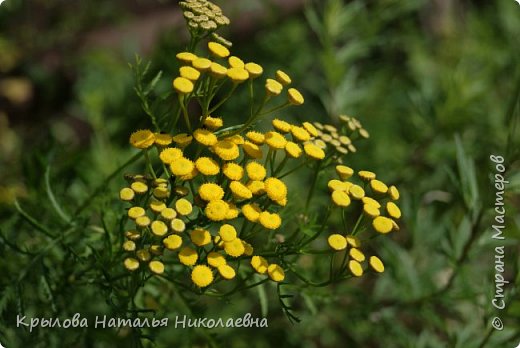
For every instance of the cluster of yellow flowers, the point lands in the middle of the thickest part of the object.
(369, 196)
(203, 15)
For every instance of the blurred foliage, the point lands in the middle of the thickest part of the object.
(436, 84)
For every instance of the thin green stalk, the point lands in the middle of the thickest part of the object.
(313, 186)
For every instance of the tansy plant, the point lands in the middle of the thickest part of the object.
(207, 213)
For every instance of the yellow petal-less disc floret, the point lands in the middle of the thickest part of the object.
(336, 185)
(273, 87)
(270, 221)
(211, 192)
(183, 206)
(257, 187)
(355, 268)
(236, 139)
(172, 242)
(218, 50)
(129, 245)
(205, 137)
(161, 192)
(240, 191)
(252, 150)
(131, 264)
(170, 154)
(293, 150)
(182, 85)
(186, 57)
(126, 194)
(216, 259)
(132, 235)
(314, 151)
(281, 126)
(207, 166)
(253, 69)
(283, 78)
(142, 139)
(259, 264)
(226, 150)
(344, 172)
(135, 212)
(227, 232)
(201, 276)
(356, 192)
(367, 175)
(143, 255)
(255, 171)
(143, 221)
(237, 75)
(218, 71)
(216, 210)
(232, 212)
(156, 267)
(371, 201)
(182, 139)
(371, 210)
(139, 187)
(337, 242)
(235, 248)
(162, 139)
(382, 224)
(188, 256)
(376, 264)
(393, 210)
(310, 128)
(256, 137)
(168, 214)
(251, 212)
(393, 192)
(189, 73)
(275, 272)
(181, 166)
(177, 225)
(340, 198)
(378, 186)
(356, 254)
(201, 64)
(226, 272)
(275, 189)
(233, 171)
(235, 62)
(300, 133)
(275, 140)
(353, 241)
(213, 122)
(200, 237)
(159, 228)
(295, 97)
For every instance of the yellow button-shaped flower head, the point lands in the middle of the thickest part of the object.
(161, 192)
(200, 237)
(218, 71)
(126, 194)
(310, 128)
(254, 70)
(162, 139)
(226, 272)
(205, 137)
(256, 137)
(135, 212)
(367, 175)
(157, 206)
(275, 140)
(201, 64)
(143, 255)
(227, 232)
(340, 198)
(156, 267)
(183, 206)
(293, 150)
(251, 212)
(314, 151)
(336, 185)
(218, 50)
(281, 126)
(393, 210)
(129, 246)
(142, 139)
(283, 78)
(378, 186)
(237, 75)
(295, 97)
(159, 228)
(131, 264)
(170, 154)
(257, 187)
(337, 242)
(181, 166)
(182, 85)
(235, 62)
(172, 242)
(255, 171)
(371, 210)
(355, 268)
(236, 139)
(357, 254)
(186, 57)
(233, 171)
(393, 192)
(275, 189)
(371, 201)
(188, 256)
(235, 248)
(177, 225)
(275, 272)
(182, 139)
(376, 264)
(143, 221)
(201, 276)
(211, 192)
(213, 122)
(252, 150)
(356, 192)
(216, 259)
(226, 150)
(189, 73)
(232, 212)
(344, 172)
(259, 264)
(216, 210)
(353, 240)
(273, 87)
(207, 166)
(132, 235)
(240, 191)
(270, 221)
(300, 133)
(382, 224)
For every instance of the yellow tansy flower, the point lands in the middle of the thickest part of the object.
(227, 232)
(188, 256)
(216, 259)
(313, 151)
(139, 187)
(177, 225)
(189, 73)
(240, 191)
(129, 245)
(252, 150)
(275, 272)
(282, 77)
(142, 139)
(382, 224)
(344, 172)
(182, 139)
(275, 140)
(126, 194)
(162, 139)
(201, 276)
(135, 212)
(293, 150)
(295, 97)
(207, 166)
(353, 240)
(270, 221)
(366, 175)
(376, 264)
(275, 189)
(371, 210)
(183, 206)
(161, 192)
(281, 126)
(186, 57)
(273, 87)
(300, 133)
(216, 210)
(393, 192)
(255, 171)
(235, 248)
(226, 272)
(159, 228)
(218, 71)
(181, 166)
(237, 75)
(232, 212)
(170, 154)
(172, 242)
(205, 137)
(156, 267)
(357, 254)
(256, 137)
(131, 264)
(259, 264)
(211, 192)
(251, 212)
(253, 69)
(310, 128)
(340, 198)
(218, 50)
(355, 268)
(201, 64)
(337, 242)
(257, 187)
(336, 185)
(235, 62)
(378, 186)
(233, 171)
(226, 150)
(143, 255)
(200, 237)
(393, 210)
(213, 122)
(182, 85)
(371, 201)
(356, 192)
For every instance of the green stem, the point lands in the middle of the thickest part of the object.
(313, 186)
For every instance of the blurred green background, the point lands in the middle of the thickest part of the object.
(436, 83)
